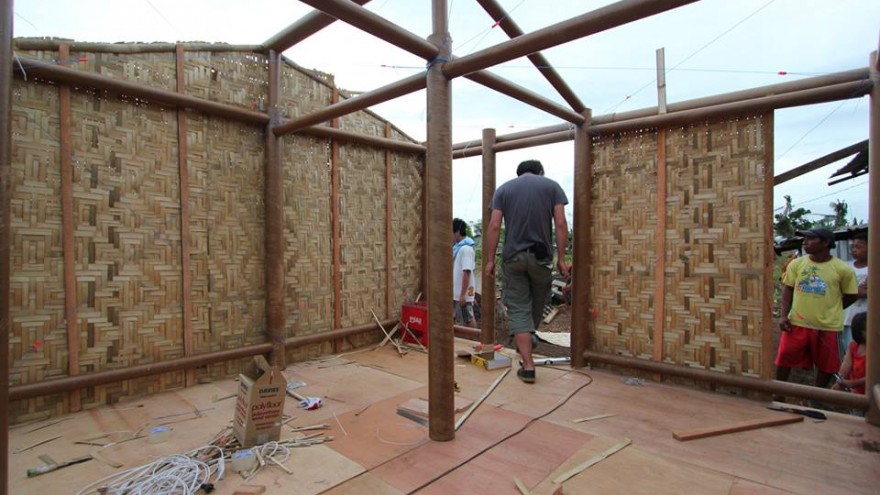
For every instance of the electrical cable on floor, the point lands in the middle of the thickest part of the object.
(511, 435)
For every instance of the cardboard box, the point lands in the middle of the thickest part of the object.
(490, 360)
(260, 404)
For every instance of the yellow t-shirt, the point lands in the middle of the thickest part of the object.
(818, 292)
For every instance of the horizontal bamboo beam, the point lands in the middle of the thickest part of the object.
(83, 46)
(378, 26)
(845, 399)
(67, 384)
(825, 94)
(616, 14)
(525, 95)
(735, 96)
(308, 25)
(806, 97)
(57, 73)
(510, 27)
(399, 88)
(820, 162)
(353, 137)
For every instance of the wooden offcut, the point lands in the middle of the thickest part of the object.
(754, 424)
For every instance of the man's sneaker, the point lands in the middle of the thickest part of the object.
(528, 376)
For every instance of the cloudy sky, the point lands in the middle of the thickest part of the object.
(712, 47)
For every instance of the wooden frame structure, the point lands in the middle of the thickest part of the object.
(443, 67)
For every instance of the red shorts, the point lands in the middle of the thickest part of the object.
(804, 347)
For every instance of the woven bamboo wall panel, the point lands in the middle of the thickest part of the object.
(227, 234)
(301, 94)
(716, 246)
(127, 239)
(407, 204)
(362, 231)
(308, 263)
(623, 242)
(236, 78)
(156, 70)
(38, 334)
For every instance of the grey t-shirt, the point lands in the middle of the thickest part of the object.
(527, 203)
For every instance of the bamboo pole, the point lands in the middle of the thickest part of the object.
(846, 399)
(129, 48)
(768, 323)
(487, 298)
(183, 173)
(736, 96)
(389, 227)
(806, 97)
(60, 385)
(405, 86)
(274, 237)
(68, 246)
(353, 137)
(510, 27)
(593, 22)
(660, 250)
(524, 95)
(308, 25)
(39, 68)
(582, 261)
(438, 180)
(873, 327)
(6, 61)
(335, 235)
(366, 21)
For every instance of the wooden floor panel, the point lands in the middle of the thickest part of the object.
(377, 451)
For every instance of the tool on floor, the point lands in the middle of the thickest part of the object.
(805, 412)
(307, 403)
(50, 465)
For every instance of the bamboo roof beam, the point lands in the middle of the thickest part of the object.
(524, 95)
(405, 86)
(820, 162)
(378, 26)
(353, 137)
(308, 25)
(602, 19)
(54, 72)
(510, 27)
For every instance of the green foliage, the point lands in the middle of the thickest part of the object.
(791, 220)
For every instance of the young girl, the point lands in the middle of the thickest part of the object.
(852, 370)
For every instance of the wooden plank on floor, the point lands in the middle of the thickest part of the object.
(754, 424)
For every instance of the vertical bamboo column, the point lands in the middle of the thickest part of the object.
(67, 230)
(873, 338)
(274, 236)
(389, 232)
(438, 179)
(335, 236)
(487, 322)
(660, 251)
(768, 325)
(660, 227)
(5, 230)
(581, 224)
(183, 166)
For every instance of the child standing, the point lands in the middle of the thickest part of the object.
(852, 370)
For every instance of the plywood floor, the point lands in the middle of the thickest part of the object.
(522, 431)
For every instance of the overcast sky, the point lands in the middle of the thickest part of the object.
(712, 47)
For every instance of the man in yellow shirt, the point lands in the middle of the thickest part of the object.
(816, 289)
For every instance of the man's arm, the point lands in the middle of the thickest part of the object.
(492, 241)
(465, 282)
(561, 238)
(785, 307)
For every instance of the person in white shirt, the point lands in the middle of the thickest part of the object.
(859, 250)
(463, 262)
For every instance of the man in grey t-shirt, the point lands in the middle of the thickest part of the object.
(529, 206)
